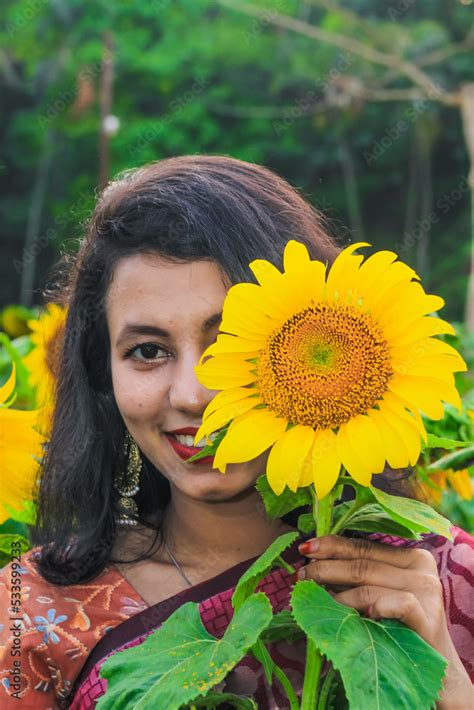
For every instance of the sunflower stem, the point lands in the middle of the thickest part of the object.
(322, 514)
(341, 523)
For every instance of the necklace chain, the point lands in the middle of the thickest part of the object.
(177, 565)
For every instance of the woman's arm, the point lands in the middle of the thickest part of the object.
(392, 583)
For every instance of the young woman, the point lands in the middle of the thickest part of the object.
(144, 297)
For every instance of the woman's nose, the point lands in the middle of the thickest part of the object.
(186, 393)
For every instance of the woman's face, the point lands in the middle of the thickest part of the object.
(161, 317)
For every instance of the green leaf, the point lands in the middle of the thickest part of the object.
(306, 523)
(181, 661)
(209, 449)
(260, 568)
(7, 540)
(282, 626)
(455, 461)
(413, 514)
(211, 699)
(374, 519)
(277, 506)
(383, 665)
(27, 515)
(443, 442)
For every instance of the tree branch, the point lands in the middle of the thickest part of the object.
(353, 46)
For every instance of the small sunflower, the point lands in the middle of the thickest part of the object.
(329, 369)
(460, 481)
(42, 361)
(20, 445)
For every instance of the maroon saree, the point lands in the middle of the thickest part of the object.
(456, 569)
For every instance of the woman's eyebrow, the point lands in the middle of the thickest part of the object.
(133, 329)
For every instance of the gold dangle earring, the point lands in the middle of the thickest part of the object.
(127, 482)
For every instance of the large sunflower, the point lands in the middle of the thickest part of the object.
(42, 361)
(328, 369)
(19, 445)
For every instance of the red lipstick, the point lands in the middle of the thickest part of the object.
(185, 452)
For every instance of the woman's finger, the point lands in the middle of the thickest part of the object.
(337, 547)
(384, 603)
(403, 606)
(362, 571)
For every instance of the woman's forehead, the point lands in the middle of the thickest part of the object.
(147, 285)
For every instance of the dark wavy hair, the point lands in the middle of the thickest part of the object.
(184, 208)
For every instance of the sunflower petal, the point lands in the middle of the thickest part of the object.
(344, 271)
(227, 396)
(423, 328)
(325, 462)
(248, 436)
(224, 414)
(394, 447)
(7, 388)
(226, 370)
(285, 465)
(406, 430)
(425, 393)
(364, 436)
(352, 462)
(233, 344)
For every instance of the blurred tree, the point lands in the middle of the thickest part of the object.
(193, 77)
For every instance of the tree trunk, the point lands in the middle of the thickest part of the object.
(467, 114)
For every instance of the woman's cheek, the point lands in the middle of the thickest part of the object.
(137, 393)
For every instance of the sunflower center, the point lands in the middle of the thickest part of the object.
(325, 365)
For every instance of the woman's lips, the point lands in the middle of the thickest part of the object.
(185, 452)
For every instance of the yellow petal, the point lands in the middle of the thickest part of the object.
(226, 370)
(386, 285)
(364, 438)
(224, 414)
(344, 271)
(352, 462)
(411, 302)
(394, 447)
(241, 314)
(407, 431)
(227, 396)
(426, 393)
(286, 462)
(461, 482)
(400, 406)
(295, 256)
(233, 344)
(433, 366)
(423, 328)
(325, 462)
(265, 272)
(9, 386)
(248, 436)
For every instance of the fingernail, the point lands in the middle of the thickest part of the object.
(301, 573)
(368, 611)
(309, 546)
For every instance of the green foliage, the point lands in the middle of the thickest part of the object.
(196, 77)
(260, 568)
(181, 661)
(278, 506)
(382, 664)
(412, 514)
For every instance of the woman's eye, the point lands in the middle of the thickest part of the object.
(148, 351)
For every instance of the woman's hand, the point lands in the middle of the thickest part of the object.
(391, 583)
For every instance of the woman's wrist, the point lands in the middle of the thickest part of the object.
(458, 692)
